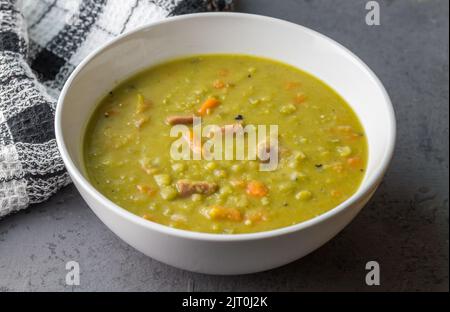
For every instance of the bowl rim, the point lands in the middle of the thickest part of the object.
(364, 190)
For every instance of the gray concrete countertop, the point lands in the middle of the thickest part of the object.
(404, 228)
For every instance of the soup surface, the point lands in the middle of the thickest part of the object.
(322, 149)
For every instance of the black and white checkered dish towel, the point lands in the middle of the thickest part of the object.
(41, 42)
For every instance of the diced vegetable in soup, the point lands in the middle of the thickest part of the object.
(321, 146)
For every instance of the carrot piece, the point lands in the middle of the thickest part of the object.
(336, 193)
(354, 136)
(189, 137)
(149, 217)
(195, 146)
(222, 213)
(292, 85)
(208, 104)
(299, 98)
(145, 189)
(257, 189)
(354, 161)
(347, 133)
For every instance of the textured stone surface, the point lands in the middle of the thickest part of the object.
(405, 227)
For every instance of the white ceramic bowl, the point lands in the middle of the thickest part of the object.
(225, 33)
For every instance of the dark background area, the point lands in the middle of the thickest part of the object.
(404, 227)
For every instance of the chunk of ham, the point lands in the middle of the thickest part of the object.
(187, 187)
(180, 120)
